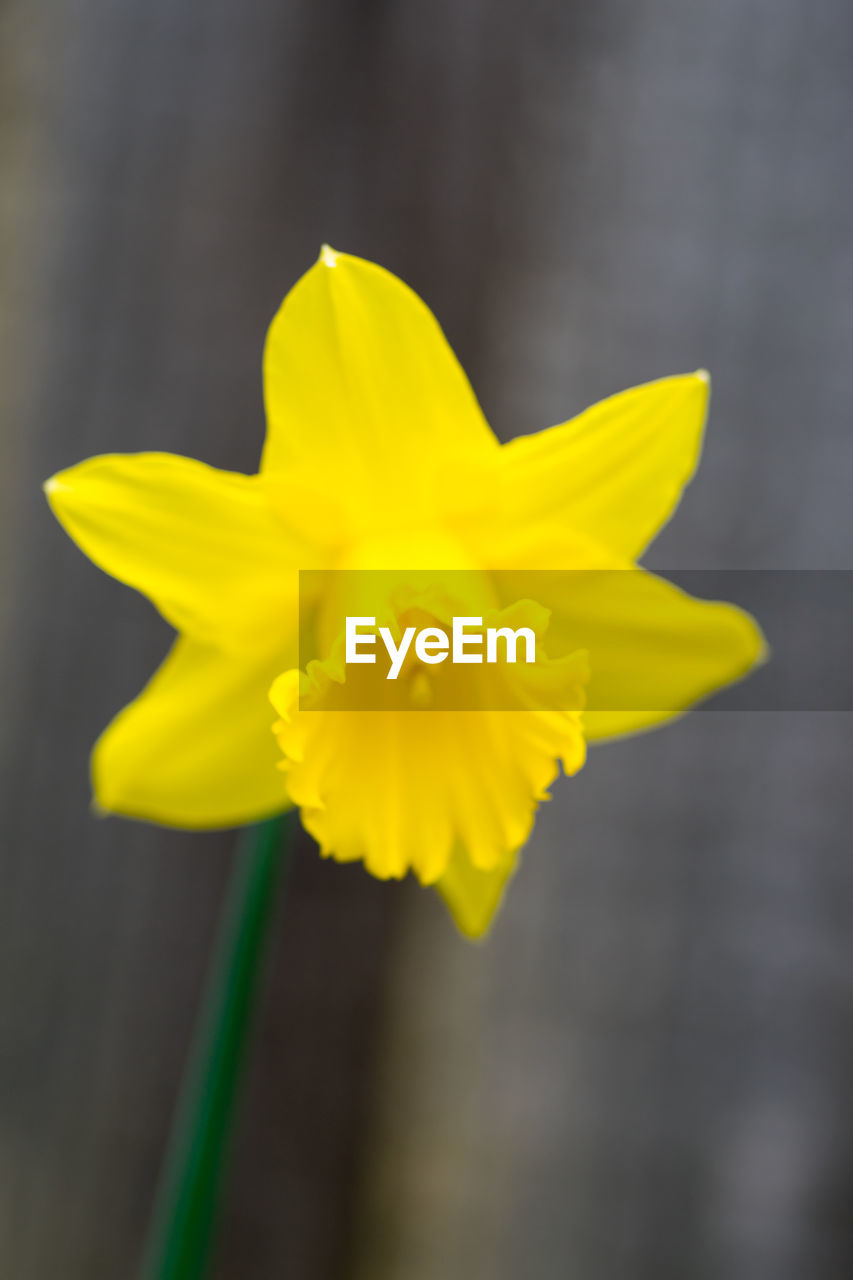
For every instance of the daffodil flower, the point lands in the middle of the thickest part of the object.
(378, 457)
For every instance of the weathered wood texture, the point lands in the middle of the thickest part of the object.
(646, 1073)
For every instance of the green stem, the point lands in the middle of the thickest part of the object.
(185, 1211)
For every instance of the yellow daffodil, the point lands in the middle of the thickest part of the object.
(377, 458)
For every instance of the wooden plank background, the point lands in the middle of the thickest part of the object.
(647, 1071)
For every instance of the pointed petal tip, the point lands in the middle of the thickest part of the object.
(478, 933)
(702, 383)
(328, 256)
(57, 491)
(763, 651)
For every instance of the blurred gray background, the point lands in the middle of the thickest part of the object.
(647, 1072)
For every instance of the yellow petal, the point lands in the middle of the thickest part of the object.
(654, 651)
(472, 896)
(615, 473)
(360, 381)
(195, 748)
(204, 545)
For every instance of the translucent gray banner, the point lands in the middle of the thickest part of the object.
(653, 643)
